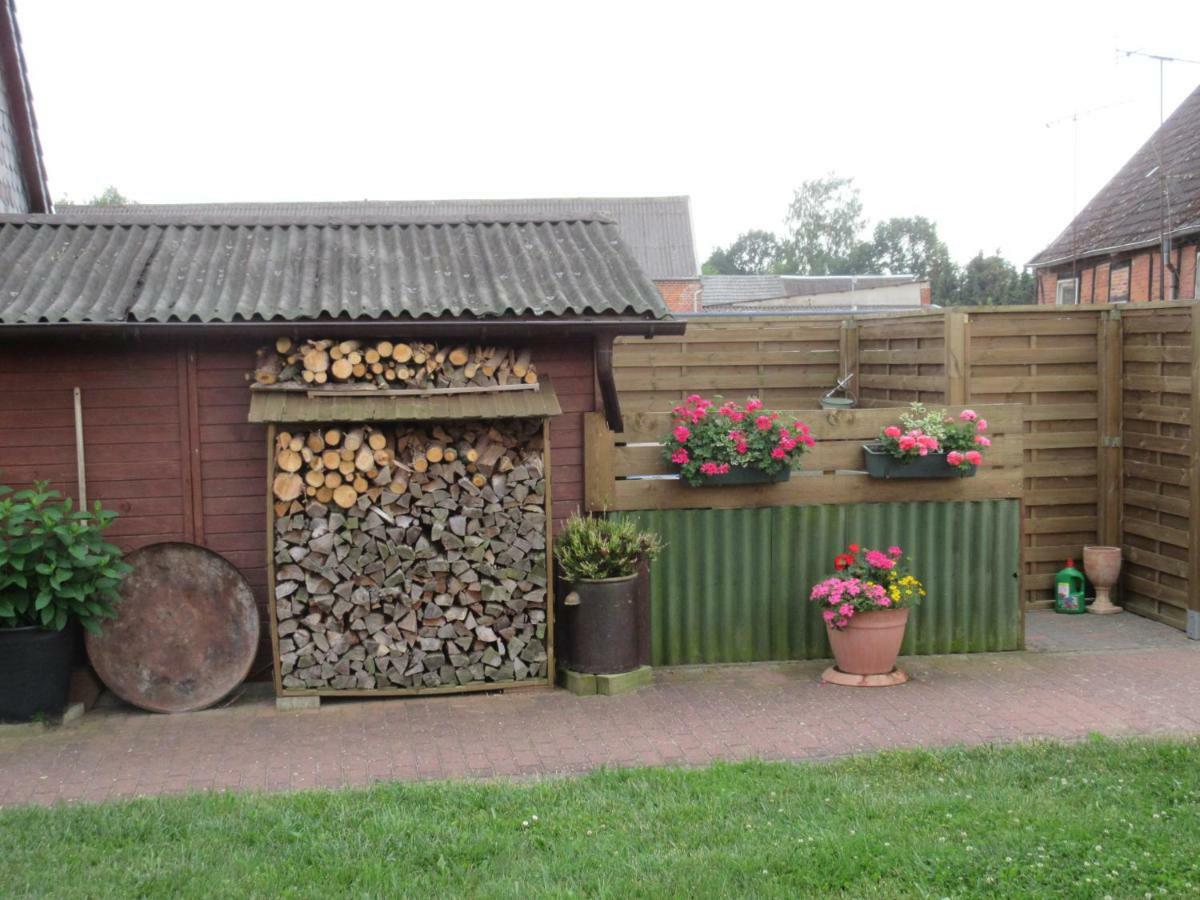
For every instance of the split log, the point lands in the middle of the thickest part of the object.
(432, 578)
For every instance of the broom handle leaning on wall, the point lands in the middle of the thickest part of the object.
(80, 467)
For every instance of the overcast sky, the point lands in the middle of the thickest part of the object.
(935, 109)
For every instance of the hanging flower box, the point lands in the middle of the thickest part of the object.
(928, 444)
(733, 444)
(880, 463)
(741, 475)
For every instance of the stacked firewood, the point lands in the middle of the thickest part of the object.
(391, 364)
(414, 559)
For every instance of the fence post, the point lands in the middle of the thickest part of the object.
(1193, 616)
(958, 341)
(848, 356)
(1109, 426)
(598, 469)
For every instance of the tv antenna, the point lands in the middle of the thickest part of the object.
(1163, 175)
(1074, 118)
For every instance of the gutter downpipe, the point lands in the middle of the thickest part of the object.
(608, 383)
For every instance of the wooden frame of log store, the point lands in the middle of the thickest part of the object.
(408, 520)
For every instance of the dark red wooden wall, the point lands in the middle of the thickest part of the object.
(168, 446)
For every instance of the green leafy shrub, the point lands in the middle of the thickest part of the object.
(54, 562)
(591, 549)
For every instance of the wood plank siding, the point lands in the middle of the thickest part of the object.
(169, 447)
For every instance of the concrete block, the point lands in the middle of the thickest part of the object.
(623, 682)
(291, 704)
(579, 683)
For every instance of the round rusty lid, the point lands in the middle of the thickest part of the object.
(185, 634)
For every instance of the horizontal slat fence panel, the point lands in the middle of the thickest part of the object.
(636, 477)
(1158, 465)
(901, 359)
(785, 361)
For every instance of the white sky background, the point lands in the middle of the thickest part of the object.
(935, 109)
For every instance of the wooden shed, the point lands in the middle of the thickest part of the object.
(125, 351)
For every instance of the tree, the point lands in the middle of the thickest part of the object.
(993, 281)
(826, 219)
(911, 246)
(754, 252)
(110, 196)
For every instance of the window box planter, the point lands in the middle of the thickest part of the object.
(740, 475)
(881, 464)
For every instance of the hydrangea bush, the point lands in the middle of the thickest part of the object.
(865, 580)
(922, 431)
(708, 440)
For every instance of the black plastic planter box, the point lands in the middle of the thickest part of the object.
(881, 464)
(744, 476)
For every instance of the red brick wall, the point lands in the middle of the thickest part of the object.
(1139, 278)
(1048, 282)
(154, 415)
(1100, 292)
(1087, 280)
(680, 296)
(1187, 272)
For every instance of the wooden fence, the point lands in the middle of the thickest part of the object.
(1108, 396)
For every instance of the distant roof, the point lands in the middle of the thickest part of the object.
(724, 290)
(657, 230)
(22, 171)
(1128, 211)
(53, 269)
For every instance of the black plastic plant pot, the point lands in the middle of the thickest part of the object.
(35, 671)
(741, 475)
(601, 623)
(881, 464)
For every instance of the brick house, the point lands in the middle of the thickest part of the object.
(22, 176)
(1113, 251)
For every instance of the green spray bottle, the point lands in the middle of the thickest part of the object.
(1068, 590)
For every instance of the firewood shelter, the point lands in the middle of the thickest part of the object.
(126, 346)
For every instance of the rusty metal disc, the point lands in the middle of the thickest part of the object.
(185, 634)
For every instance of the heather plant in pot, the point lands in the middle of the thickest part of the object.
(733, 443)
(600, 557)
(56, 572)
(865, 604)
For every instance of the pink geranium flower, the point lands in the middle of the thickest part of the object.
(763, 423)
(968, 415)
(981, 425)
(983, 441)
(778, 453)
(974, 457)
(954, 458)
(753, 404)
(894, 550)
(682, 433)
(680, 456)
(892, 431)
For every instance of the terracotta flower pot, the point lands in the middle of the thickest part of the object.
(871, 642)
(1103, 567)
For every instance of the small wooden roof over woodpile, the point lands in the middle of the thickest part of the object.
(64, 270)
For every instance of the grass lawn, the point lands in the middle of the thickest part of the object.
(1102, 818)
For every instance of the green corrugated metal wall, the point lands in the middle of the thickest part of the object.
(732, 585)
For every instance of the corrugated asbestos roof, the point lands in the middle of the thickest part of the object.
(298, 406)
(657, 230)
(1128, 211)
(54, 271)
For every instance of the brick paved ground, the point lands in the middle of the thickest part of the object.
(1116, 676)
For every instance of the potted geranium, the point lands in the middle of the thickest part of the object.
(928, 444)
(599, 558)
(56, 571)
(865, 605)
(733, 443)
